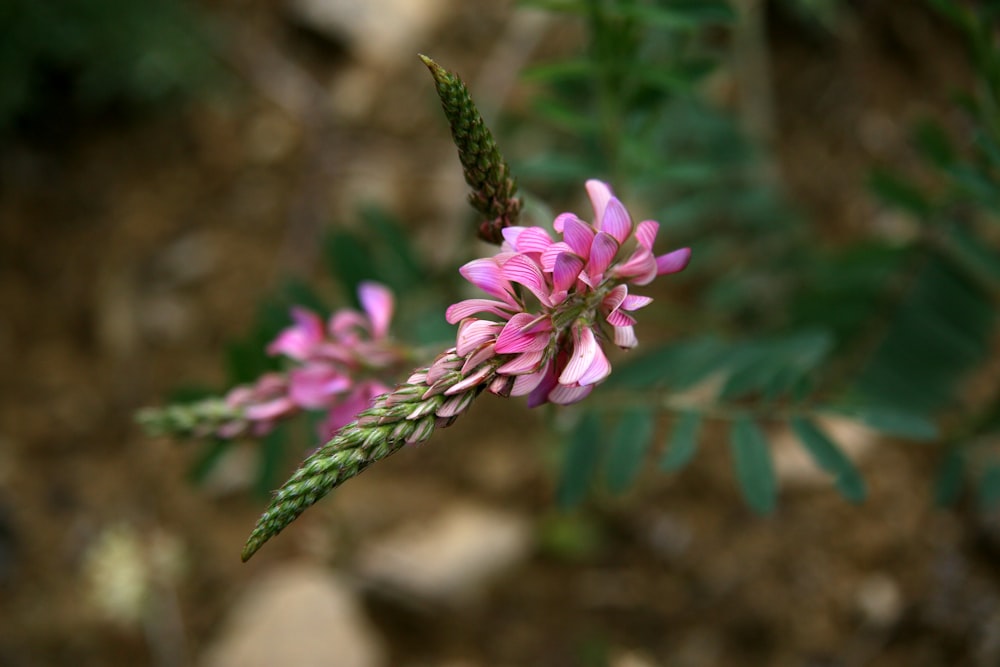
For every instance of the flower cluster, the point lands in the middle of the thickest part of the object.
(336, 367)
(551, 350)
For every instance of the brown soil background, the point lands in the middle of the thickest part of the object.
(131, 251)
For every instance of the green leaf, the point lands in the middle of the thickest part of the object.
(630, 441)
(683, 442)
(897, 422)
(348, 259)
(951, 473)
(933, 143)
(830, 458)
(679, 15)
(895, 191)
(582, 457)
(396, 260)
(753, 465)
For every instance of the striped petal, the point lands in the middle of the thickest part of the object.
(578, 235)
(563, 395)
(523, 333)
(522, 270)
(645, 233)
(599, 369)
(619, 318)
(585, 348)
(625, 337)
(472, 333)
(525, 384)
(636, 301)
(469, 307)
(600, 194)
(602, 253)
(523, 364)
(673, 262)
(486, 275)
(533, 239)
(616, 221)
(566, 271)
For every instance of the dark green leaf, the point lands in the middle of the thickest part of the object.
(896, 421)
(897, 192)
(933, 143)
(630, 441)
(348, 259)
(683, 442)
(582, 457)
(830, 458)
(753, 465)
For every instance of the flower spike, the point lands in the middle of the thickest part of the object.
(493, 189)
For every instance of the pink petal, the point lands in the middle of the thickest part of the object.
(510, 236)
(625, 337)
(565, 395)
(471, 381)
(522, 334)
(548, 258)
(599, 193)
(566, 271)
(636, 301)
(377, 301)
(526, 362)
(640, 267)
(673, 262)
(540, 394)
(585, 348)
(525, 384)
(487, 351)
(522, 270)
(602, 253)
(299, 340)
(615, 298)
(616, 220)
(312, 386)
(532, 239)
(599, 369)
(346, 324)
(485, 274)
(463, 309)
(279, 407)
(645, 233)
(472, 333)
(559, 223)
(619, 318)
(578, 235)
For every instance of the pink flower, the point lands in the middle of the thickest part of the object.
(552, 344)
(336, 367)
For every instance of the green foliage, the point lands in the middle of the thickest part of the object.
(683, 442)
(753, 466)
(91, 54)
(887, 331)
(830, 458)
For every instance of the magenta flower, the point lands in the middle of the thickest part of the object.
(552, 347)
(337, 367)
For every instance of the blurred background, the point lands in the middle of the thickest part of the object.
(168, 167)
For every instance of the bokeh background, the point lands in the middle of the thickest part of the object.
(166, 168)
